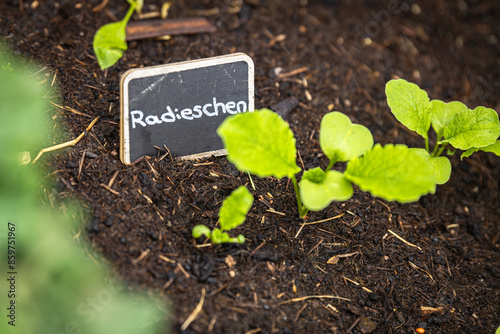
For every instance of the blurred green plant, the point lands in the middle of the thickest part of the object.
(58, 287)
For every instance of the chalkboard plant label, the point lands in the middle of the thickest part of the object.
(181, 105)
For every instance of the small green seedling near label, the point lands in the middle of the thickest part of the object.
(456, 126)
(110, 40)
(262, 143)
(231, 215)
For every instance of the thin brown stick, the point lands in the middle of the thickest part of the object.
(301, 161)
(403, 240)
(100, 7)
(316, 246)
(195, 312)
(325, 220)
(256, 249)
(292, 73)
(110, 183)
(66, 144)
(299, 312)
(425, 271)
(294, 300)
(142, 256)
(157, 28)
(80, 166)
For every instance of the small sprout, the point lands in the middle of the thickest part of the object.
(262, 143)
(200, 230)
(240, 238)
(7, 67)
(231, 215)
(110, 40)
(456, 126)
(318, 188)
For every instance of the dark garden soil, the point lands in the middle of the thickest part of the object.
(446, 279)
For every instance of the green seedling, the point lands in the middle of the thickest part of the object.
(456, 126)
(110, 40)
(262, 143)
(231, 215)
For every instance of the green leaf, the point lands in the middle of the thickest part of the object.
(240, 239)
(341, 140)
(110, 40)
(200, 230)
(497, 331)
(260, 142)
(440, 165)
(219, 237)
(442, 113)
(473, 128)
(494, 148)
(392, 172)
(235, 208)
(216, 236)
(318, 188)
(410, 105)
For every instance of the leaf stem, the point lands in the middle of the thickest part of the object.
(427, 144)
(302, 209)
(436, 147)
(330, 165)
(440, 150)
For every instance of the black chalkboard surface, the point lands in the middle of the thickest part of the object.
(181, 105)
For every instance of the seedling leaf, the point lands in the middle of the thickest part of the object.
(318, 188)
(392, 172)
(341, 140)
(110, 40)
(442, 113)
(410, 105)
(235, 208)
(494, 148)
(441, 165)
(260, 142)
(473, 128)
(240, 239)
(200, 230)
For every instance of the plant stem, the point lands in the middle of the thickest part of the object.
(130, 11)
(302, 210)
(427, 145)
(440, 151)
(330, 165)
(251, 181)
(434, 152)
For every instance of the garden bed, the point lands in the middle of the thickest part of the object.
(444, 272)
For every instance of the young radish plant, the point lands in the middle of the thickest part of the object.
(110, 40)
(455, 125)
(231, 215)
(262, 143)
